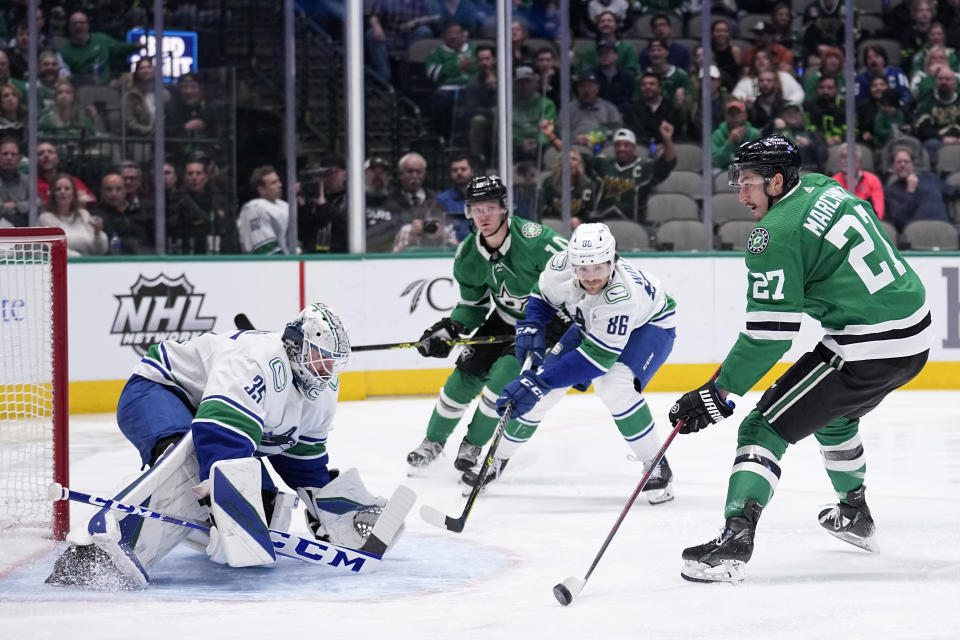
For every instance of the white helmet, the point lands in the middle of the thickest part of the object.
(591, 243)
(318, 348)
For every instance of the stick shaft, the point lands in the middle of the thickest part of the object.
(636, 493)
(409, 345)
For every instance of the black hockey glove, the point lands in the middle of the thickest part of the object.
(700, 408)
(435, 341)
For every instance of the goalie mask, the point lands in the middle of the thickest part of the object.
(318, 348)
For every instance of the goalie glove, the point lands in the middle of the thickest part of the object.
(435, 341)
(700, 408)
(343, 511)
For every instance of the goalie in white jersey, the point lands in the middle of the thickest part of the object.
(624, 330)
(204, 414)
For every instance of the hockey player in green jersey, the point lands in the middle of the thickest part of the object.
(816, 249)
(496, 267)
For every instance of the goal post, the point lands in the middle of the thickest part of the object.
(34, 410)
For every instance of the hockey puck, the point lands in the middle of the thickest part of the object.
(562, 594)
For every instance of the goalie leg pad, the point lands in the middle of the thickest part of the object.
(240, 535)
(131, 543)
(343, 511)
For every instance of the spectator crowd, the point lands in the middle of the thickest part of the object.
(635, 114)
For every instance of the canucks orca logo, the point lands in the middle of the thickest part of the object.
(282, 440)
(159, 308)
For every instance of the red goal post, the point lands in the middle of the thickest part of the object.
(34, 411)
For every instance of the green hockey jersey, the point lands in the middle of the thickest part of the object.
(505, 276)
(820, 251)
(628, 187)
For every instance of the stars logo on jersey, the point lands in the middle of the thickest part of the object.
(531, 230)
(758, 240)
(509, 301)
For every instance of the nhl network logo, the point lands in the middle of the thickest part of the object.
(160, 308)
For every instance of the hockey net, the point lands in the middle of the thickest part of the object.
(33, 378)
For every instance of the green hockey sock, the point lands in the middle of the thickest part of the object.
(756, 467)
(457, 393)
(843, 455)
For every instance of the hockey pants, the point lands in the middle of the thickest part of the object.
(820, 395)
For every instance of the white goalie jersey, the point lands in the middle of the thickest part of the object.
(242, 383)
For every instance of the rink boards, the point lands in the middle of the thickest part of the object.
(117, 308)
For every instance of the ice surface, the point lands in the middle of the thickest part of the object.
(543, 521)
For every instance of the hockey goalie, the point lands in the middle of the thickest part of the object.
(206, 415)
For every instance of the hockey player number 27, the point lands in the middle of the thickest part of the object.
(838, 238)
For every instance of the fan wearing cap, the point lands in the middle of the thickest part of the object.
(732, 132)
(766, 37)
(591, 117)
(627, 179)
(608, 28)
(719, 97)
(530, 110)
(674, 81)
(616, 83)
(188, 113)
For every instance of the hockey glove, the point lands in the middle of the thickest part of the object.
(530, 339)
(700, 408)
(435, 341)
(524, 392)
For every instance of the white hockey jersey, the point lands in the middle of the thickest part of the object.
(262, 226)
(242, 383)
(630, 300)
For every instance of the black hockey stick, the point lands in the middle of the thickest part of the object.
(567, 590)
(434, 516)
(242, 322)
(453, 343)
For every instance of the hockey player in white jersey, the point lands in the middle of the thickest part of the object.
(624, 330)
(203, 414)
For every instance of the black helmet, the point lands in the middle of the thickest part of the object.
(484, 188)
(768, 157)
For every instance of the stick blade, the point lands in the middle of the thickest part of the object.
(242, 322)
(435, 517)
(390, 521)
(567, 590)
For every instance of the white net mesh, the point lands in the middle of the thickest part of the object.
(26, 383)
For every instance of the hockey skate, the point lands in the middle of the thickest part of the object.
(851, 521)
(724, 559)
(659, 488)
(494, 471)
(467, 456)
(423, 455)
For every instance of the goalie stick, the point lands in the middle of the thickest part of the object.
(434, 516)
(308, 550)
(242, 322)
(567, 590)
